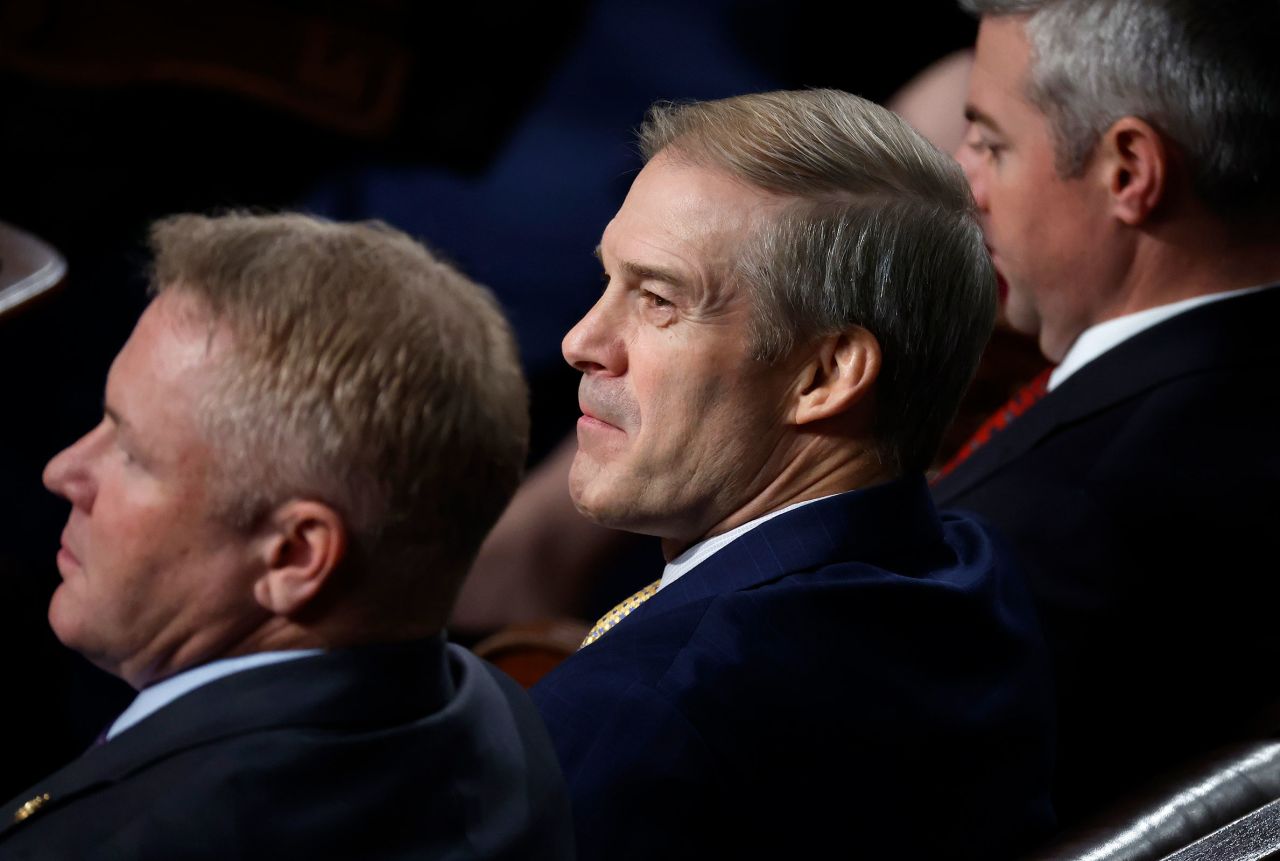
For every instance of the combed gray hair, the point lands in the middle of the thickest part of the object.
(881, 234)
(1204, 74)
(363, 373)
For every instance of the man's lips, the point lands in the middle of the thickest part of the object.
(590, 419)
(66, 555)
(606, 404)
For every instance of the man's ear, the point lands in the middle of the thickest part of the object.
(303, 545)
(1136, 164)
(839, 374)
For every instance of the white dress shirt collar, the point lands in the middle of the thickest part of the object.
(704, 550)
(1096, 340)
(151, 699)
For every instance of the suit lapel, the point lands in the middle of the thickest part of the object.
(336, 688)
(866, 525)
(1219, 335)
(97, 767)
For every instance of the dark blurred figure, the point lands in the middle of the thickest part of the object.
(30, 269)
(1123, 157)
(305, 439)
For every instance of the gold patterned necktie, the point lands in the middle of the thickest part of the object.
(620, 612)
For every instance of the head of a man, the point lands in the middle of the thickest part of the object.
(305, 439)
(796, 296)
(1097, 123)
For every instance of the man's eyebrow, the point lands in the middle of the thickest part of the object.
(974, 115)
(645, 272)
(648, 273)
(642, 272)
(116, 419)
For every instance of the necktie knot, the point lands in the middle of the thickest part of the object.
(620, 612)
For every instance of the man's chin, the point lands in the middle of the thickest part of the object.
(598, 508)
(598, 495)
(64, 620)
(1019, 314)
(584, 478)
(68, 624)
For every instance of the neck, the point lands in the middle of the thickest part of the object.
(273, 634)
(1193, 258)
(820, 465)
(164, 659)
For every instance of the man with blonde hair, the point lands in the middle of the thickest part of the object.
(797, 294)
(304, 441)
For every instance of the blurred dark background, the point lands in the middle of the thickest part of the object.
(500, 136)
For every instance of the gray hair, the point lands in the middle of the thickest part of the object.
(363, 373)
(1204, 74)
(881, 234)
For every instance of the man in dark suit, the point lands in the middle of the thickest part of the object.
(797, 294)
(1123, 158)
(305, 439)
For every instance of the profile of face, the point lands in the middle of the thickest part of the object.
(679, 424)
(152, 579)
(1045, 232)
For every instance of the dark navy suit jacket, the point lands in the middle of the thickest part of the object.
(416, 750)
(1143, 497)
(856, 676)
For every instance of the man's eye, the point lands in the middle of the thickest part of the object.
(655, 300)
(986, 148)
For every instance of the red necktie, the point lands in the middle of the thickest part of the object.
(1023, 399)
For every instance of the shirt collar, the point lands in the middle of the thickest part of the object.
(151, 699)
(705, 549)
(1096, 340)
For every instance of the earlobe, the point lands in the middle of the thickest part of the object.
(840, 374)
(1137, 169)
(305, 543)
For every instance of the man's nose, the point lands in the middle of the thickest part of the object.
(69, 474)
(595, 343)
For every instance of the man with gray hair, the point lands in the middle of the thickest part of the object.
(304, 441)
(796, 296)
(1123, 157)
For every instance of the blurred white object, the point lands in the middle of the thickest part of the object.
(28, 267)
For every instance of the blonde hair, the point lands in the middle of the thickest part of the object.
(364, 373)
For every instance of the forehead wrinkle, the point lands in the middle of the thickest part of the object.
(644, 272)
(643, 256)
(687, 223)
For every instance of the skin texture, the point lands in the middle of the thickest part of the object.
(541, 554)
(1052, 238)
(672, 404)
(153, 580)
(684, 435)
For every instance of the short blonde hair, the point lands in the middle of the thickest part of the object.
(363, 373)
